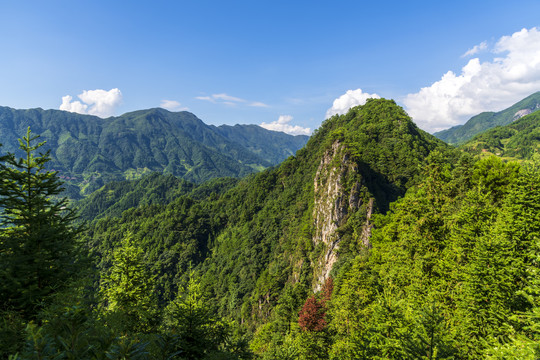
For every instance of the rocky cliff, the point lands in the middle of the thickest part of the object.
(339, 191)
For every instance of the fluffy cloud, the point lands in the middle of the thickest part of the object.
(73, 106)
(282, 124)
(230, 100)
(476, 49)
(98, 102)
(172, 105)
(511, 75)
(348, 100)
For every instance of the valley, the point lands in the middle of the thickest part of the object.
(373, 240)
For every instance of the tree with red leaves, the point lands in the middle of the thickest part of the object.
(327, 289)
(312, 315)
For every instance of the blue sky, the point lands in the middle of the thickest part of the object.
(278, 63)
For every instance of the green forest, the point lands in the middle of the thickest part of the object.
(485, 121)
(89, 152)
(376, 240)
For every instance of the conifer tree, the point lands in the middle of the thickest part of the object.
(128, 290)
(38, 250)
(189, 316)
(429, 337)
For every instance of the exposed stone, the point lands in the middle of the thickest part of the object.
(332, 205)
(366, 229)
(521, 113)
(524, 112)
(355, 201)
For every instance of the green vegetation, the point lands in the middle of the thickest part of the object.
(375, 241)
(38, 251)
(154, 189)
(88, 152)
(488, 120)
(54, 305)
(517, 141)
(254, 243)
(271, 146)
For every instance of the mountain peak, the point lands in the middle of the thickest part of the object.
(95, 151)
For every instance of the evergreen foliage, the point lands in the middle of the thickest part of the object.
(38, 249)
(88, 152)
(437, 257)
(128, 290)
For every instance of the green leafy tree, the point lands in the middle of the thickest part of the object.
(189, 316)
(200, 334)
(38, 248)
(128, 290)
(429, 337)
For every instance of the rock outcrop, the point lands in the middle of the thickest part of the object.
(338, 190)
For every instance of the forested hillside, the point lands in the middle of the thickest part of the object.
(88, 151)
(153, 189)
(272, 146)
(376, 241)
(519, 140)
(488, 120)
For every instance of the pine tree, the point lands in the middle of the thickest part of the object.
(38, 249)
(189, 316)
(429, 337)
(127, 289)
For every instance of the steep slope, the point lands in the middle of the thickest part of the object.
(487, 120)
(283, 230)
(519, 140)
(272, 146)
(89, 151)
(115, 197)
(452, 271)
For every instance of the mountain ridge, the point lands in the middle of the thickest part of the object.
(283, 227)
(373, 230)
(519, 140)
(90, 151)
(484, 121)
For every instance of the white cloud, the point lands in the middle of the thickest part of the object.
(258, 104)
(476, 49)
(230, 100)
(172, 105)
(226, 97)
(282, 124)
(348, 100)
(206, 98)
(73, 106)
(98, 102)
(481, 86)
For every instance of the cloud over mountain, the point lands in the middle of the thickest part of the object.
(348, 100)
(172, 105)
(282, 124)
(97, 102)
(511, 75)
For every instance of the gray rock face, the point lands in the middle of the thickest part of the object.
(333, 204)
(524, 112)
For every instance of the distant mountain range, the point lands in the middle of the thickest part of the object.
(518, 140)
(89, 151)
(487, 120)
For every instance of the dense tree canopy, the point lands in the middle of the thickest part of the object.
(38, 249)
(436, 257)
